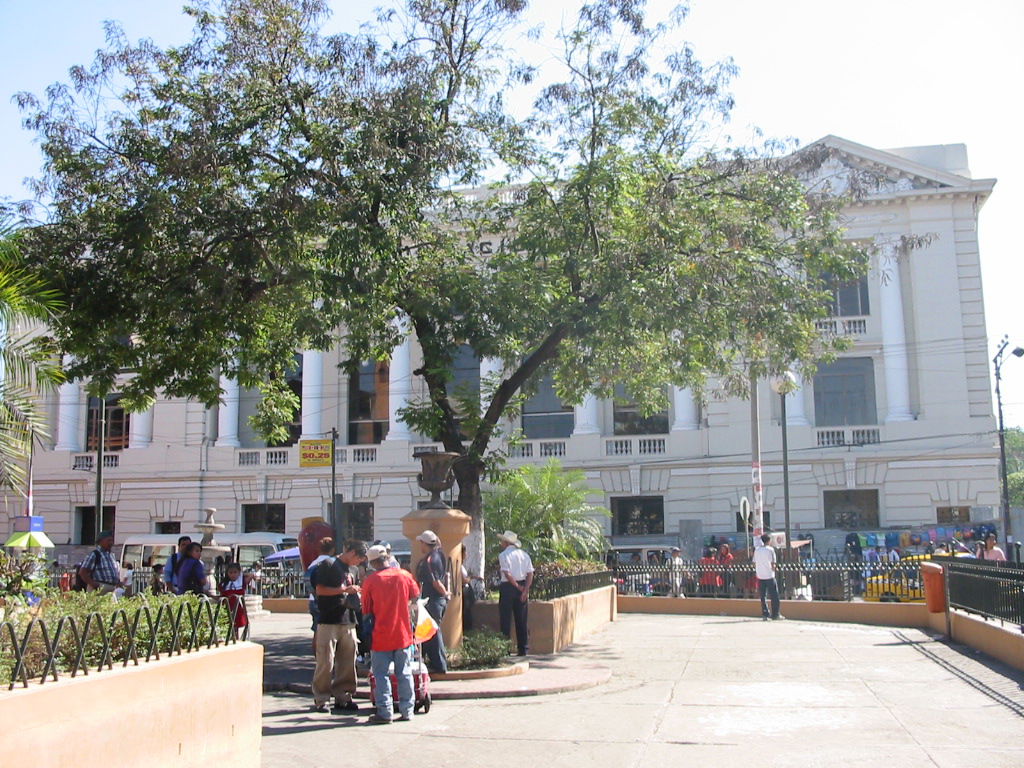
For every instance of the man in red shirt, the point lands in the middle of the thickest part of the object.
(388, 593)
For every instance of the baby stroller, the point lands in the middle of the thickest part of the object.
(420, 684)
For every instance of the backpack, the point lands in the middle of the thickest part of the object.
(79, 585)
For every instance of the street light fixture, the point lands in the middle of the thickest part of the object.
(997, 361)
(783, 385)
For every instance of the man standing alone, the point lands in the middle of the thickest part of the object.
(432, 576)
(764, 568)
(514, 592)
(387, 596)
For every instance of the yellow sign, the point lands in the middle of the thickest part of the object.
(314, 453)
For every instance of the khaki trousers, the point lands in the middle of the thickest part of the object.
(335, 673)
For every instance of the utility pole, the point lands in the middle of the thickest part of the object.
(102, 430)
(997, 363)
(755, 459)
(334, 482)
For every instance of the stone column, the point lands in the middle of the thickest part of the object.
(141, 429)
(227, 415)
(894, 341)
(587, 422)
(399, 390)
(451, 527)
(70, 430)
(312, 394)
(687, 412)
(796, 414)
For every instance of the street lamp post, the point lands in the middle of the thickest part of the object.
(997, 362)
(782, 386)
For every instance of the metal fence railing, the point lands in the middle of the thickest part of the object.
(992, 589)
(569, 585)
(44, 650)
(819, 580)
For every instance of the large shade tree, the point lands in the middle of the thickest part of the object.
(216, 206)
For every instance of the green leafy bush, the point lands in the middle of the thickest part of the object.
(547, 507)
(159, 624)
(481, 649)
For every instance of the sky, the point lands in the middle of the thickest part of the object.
(885, 73)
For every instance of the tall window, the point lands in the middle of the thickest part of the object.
(263, 517)
(85, 517)
(849, 299)
(851, 510)
(766, 514)
(293, 377)
(952, 514)
(355, 520)
(465, 379)
(115, 431)
(544, 415)
(844, 393)
(638, 515)
(630, 421)
(368, 404)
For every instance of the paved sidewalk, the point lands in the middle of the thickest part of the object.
(288, 666)
(689, 690)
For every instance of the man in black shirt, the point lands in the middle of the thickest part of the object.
(431, 573)
(335, 639)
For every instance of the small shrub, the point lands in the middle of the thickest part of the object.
(545, 573)
(481, 649)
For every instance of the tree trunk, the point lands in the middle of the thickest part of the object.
(468, 474)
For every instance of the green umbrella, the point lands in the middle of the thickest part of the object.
(29, 539)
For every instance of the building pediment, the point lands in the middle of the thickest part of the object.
(836, 166)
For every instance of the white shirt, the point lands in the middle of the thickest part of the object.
(516, 563)
(764, 562)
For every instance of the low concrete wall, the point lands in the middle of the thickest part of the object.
(201, 708)
(286, 605)
(990, 637)
(555, 624)
(885, 614)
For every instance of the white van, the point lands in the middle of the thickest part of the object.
(246, 548)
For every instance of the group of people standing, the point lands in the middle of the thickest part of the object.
(362, 597)
(183, 573)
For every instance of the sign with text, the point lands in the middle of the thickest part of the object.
(314, 453)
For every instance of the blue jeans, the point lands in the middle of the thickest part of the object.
(433, 649)
(769, 588)
(380, 665)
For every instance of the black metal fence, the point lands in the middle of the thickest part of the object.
(570, 585)
(43, 650)
(819, 580)
(992, 589)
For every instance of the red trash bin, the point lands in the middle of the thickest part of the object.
(934, 578)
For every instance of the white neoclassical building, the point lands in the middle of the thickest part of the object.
(897, 434)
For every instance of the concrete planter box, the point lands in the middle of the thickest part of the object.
(555, 624)
(884, 614)
(201, 708)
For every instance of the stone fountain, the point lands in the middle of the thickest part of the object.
(211, 549)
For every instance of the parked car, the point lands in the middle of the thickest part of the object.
(899, 582)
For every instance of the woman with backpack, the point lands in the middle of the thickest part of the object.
(191, 576)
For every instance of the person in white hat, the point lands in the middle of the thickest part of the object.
(432, 575)
(514, 590)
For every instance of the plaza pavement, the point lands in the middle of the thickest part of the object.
(686, 690)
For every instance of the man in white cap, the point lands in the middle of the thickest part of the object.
(514, 591)
(388, 594)
(432, 575)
